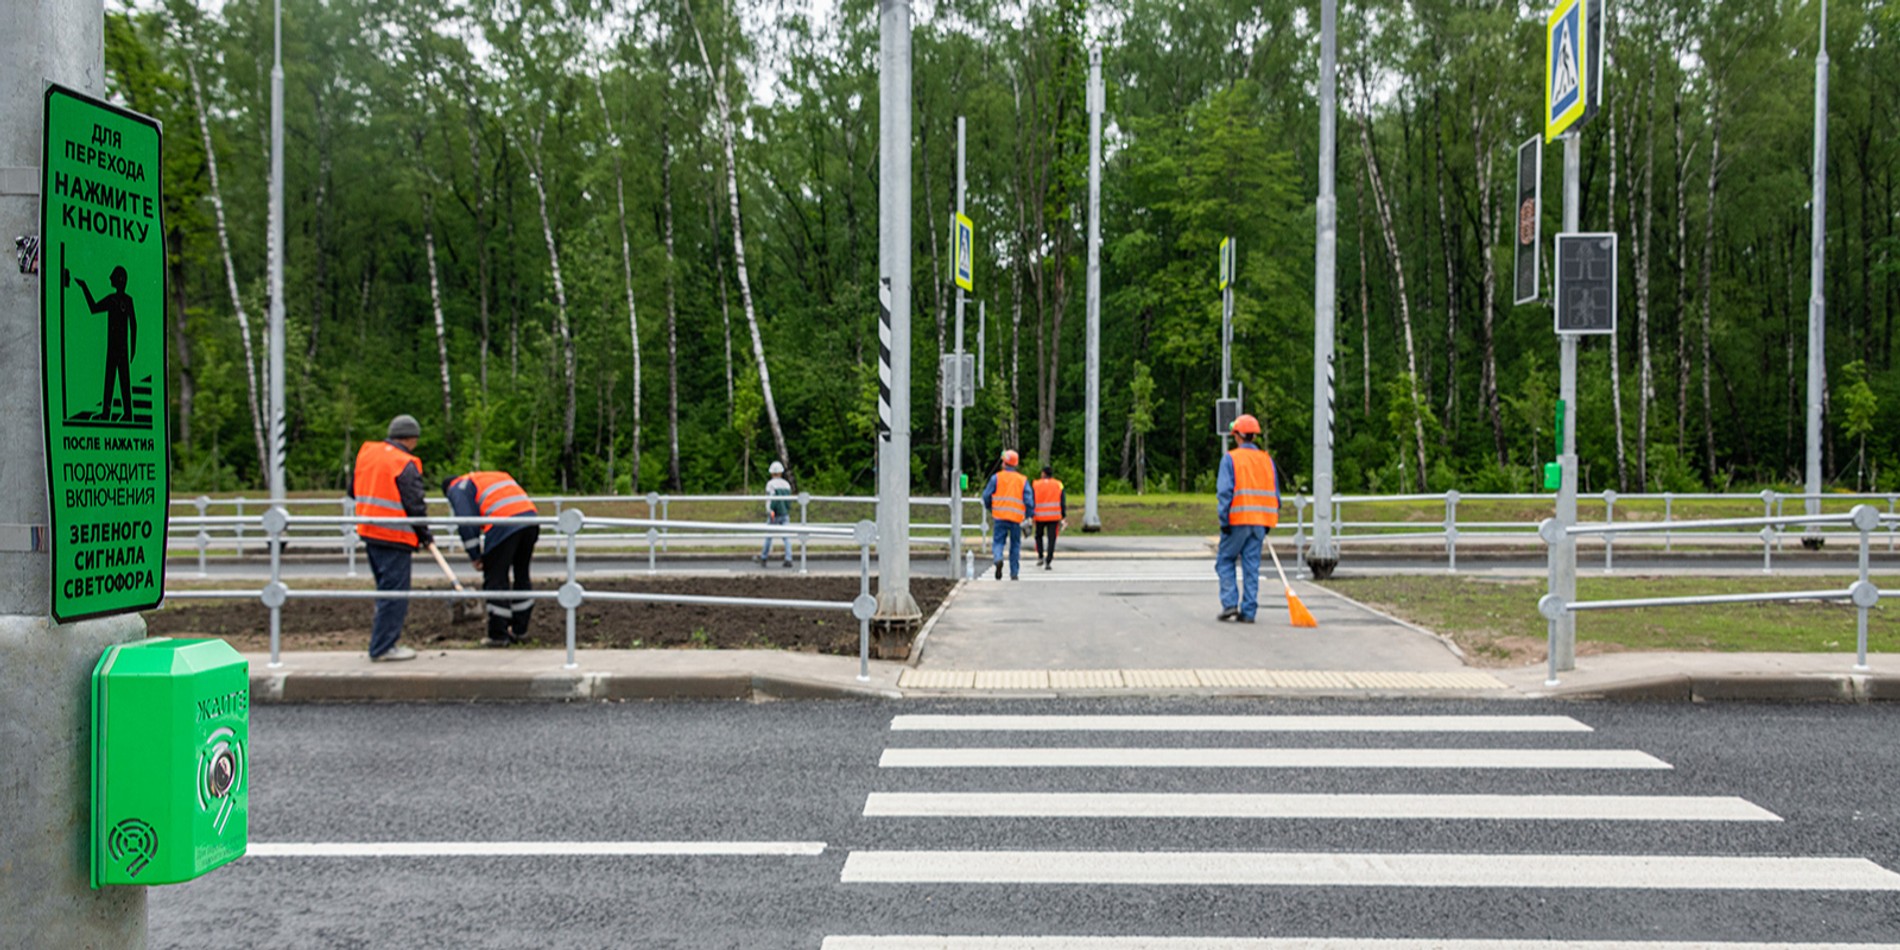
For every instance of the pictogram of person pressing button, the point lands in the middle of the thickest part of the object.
(122, 340)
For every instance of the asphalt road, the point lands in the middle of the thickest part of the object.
(798, 774)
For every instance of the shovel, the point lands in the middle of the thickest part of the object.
(459, 610)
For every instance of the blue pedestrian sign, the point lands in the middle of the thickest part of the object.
(966, 253)
(1566, 67)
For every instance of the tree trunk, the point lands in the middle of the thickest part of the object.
(1682, 283)
(725, 299)
(230, 267)
(1487, 225)
(1365, 298)
(1708, 267)
(1448, 241)
(738, 241)
(435, 305)
(626, 264)
(562, 329)
(1643, 254)
(1405, 308)
(181, 339)
(481, 245)
(672, 314)
(936, 274)
(1616, 361)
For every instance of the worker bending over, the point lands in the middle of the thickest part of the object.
(1052, 514)
(498, 550)
(1249, 494)
(387, 483)
(1008, 500)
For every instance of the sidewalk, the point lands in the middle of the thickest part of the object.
(1095, 626)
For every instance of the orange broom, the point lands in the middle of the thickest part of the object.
(1301, 616)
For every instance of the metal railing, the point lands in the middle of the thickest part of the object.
(1862, 522)
(276, 524)
(203, 531)
(1449, 530)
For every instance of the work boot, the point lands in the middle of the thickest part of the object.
(786, 563)
(1244, 619)
(1047, 566)
(497, 642)
(1230, 613)
(393, 654)
(999, 570)
(761, 559)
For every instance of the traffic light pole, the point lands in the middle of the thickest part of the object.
(1092, 452)
(896, 608)
(956, 380)
(1322, 556)
(1564, 555)
(46, 899)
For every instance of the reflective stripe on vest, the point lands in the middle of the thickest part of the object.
(1007, 503)
(1048, 499)
(498, 495)
(377, 465)
(1256, 489)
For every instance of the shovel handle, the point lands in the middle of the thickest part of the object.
(443, 563)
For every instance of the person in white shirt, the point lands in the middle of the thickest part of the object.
(778, 510)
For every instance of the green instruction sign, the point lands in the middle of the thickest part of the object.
(102, 351)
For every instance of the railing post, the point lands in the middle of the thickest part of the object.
(804, 518)
(1299, 533)
(563, 539)
(1768, 502)
(1669, 517)
(1550, 605)
(1609, 539)
(1890, 522)
(349, 535)
(240, 526)
(571, 594)
(865, 605)
(204, 534)
(1767, 549)
(665, 516)
(1451, 531)
(1864, 594)
(274, 593)
(653, 544)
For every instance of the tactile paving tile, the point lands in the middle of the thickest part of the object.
(1085, 679)
(936, 679)
(1012, 679)
(1161, 679)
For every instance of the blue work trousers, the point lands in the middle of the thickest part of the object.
(765, 554)
(1008, 533)
(1240, 549)
(390, 563)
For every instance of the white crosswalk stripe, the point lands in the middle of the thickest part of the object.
(1203, 805)
(1178, 758)
(1448, 750)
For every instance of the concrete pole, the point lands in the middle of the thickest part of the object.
(1322, 556)
(275, 385)
(956, 442)
(1817, 295)
(1564, 650)
(45, 669)
(1092, 433)
(895, 606)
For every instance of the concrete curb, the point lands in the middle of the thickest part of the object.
(1443, 640)
(923, 636)
(329, 687)
(1738, 687)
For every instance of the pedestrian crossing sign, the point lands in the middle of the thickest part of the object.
(1226, 262)
(966, 253)
(1566, 73)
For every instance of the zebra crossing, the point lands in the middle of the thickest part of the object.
(986, 780)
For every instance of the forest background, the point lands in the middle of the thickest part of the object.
(630, 245)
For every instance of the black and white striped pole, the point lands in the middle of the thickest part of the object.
(1322, 555)
(895, 606)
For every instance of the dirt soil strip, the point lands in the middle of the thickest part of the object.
(344, 624)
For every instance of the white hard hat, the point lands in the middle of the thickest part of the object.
(778, 468)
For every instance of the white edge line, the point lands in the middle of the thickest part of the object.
(1217, 723)
(470, 849)
(906, 942)
(1690, 808)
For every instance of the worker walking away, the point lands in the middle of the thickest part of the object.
(1052, 514)
(778, 510)
(1249, 494)
(502, 552)
(1008, 500)
(388, 484)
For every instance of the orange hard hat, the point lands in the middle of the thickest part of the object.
(1010, 457)
(1247, 425)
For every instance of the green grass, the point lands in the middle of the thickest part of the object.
(1495, 620)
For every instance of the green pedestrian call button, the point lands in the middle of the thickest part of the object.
(102, 348)
(171, 728)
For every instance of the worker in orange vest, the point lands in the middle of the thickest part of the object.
(1008, 500)
(388, 484)
(1052, 514)
(1249, 494)
(498, 550)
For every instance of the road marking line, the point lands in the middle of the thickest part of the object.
(1300, 943)
(1197, 805)
(1319, 869)
(482, 849)
(1109, 757)
(931, 723)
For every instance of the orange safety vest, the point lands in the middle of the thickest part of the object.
(377, 465)
(1256, 489)
(1048, 499)
(1007, 503)
(497, 495)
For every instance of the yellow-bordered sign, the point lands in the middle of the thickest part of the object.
(1226, 262)
(965, 245)
(1566, 67)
